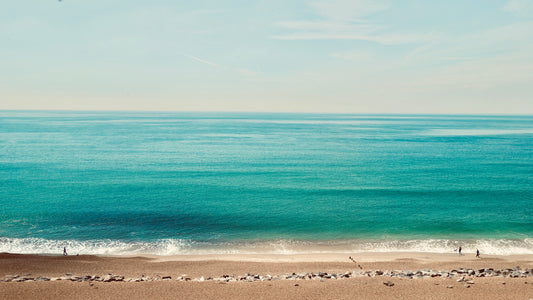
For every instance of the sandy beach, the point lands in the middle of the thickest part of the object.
(173, 268)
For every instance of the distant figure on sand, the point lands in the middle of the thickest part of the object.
(477, 253)
(460, 249)
(65, 251)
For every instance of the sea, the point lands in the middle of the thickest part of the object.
(173, 183)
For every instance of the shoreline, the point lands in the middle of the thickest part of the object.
(362, 282)
(178, 247)
(299, 257)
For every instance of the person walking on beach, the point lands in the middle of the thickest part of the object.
(65, 251)
(477, 253)
(460, 249)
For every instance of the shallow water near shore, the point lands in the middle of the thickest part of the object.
(185, 183)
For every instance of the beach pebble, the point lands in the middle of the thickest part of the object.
(516, 274)
(40, 278)
(464, 275)
(388, 283)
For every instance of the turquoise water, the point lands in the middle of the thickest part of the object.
(173, 183)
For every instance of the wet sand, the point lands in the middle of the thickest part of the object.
(216, 265)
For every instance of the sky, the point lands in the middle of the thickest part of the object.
(334, 56)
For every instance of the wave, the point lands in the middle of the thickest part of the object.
(476, 132)
(167, 247)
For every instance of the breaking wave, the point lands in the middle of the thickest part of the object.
(166, 247)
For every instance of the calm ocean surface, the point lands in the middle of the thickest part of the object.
(182, 183)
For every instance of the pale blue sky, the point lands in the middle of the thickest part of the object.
(356, 56)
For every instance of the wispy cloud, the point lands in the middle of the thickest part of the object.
(348, 10)
(329, 25)
(245, 72)
(519, 7)
(385, 39)
(347, 20)
(202, 60)
(418, 51)
(458, 58)
(355, 55)
(487, 43)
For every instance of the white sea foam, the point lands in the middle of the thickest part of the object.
(186, 247)
(476, 132)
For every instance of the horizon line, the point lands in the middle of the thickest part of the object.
(264, 112)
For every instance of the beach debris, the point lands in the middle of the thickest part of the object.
(464, 276)
(449, 286)
(388, 283)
